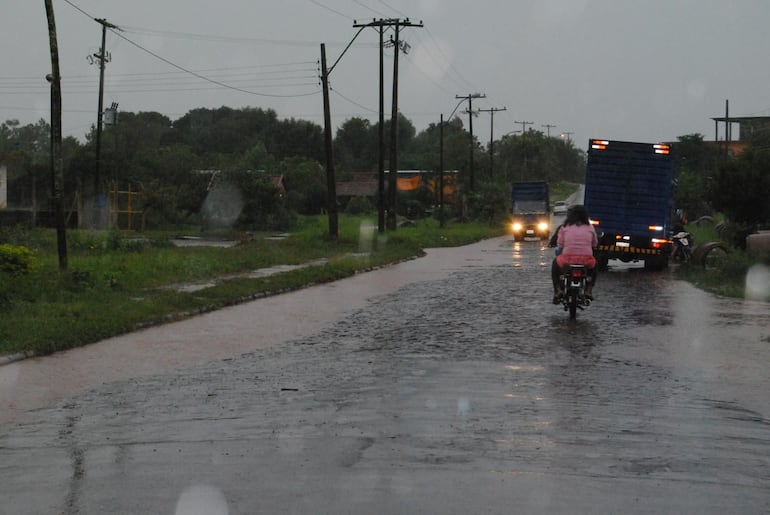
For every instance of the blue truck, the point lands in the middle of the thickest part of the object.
(530, 210)
(629, 196)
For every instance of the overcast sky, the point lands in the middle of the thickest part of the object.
(632, 70)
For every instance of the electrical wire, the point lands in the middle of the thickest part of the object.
(448, 61)
(370, 8)
(334, 90)
(417, 67)
(193, 73)
(393, 8)
(226, 39)
(207, 79)
(322, 6)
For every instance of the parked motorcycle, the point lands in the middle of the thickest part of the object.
(574, 287)
(682, 247)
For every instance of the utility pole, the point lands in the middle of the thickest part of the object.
(398, 45)
(567, 134)
(393, 182)
(381, 143)
(102, 58)
(492, 112)
(470, 98)
(331, 186)
(548, 129)
(57, 164)
(524, 143)
(441, 173)
(523, 126)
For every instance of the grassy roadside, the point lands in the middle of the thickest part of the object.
(116, 283)
(728, 275)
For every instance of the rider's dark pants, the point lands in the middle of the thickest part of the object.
(556, 272)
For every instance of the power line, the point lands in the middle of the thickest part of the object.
(322, 6)
(79, 9)
(370, 8)
(392, 8)
(207, 79)
(226, 39)
(195, 74)
(449, 62)
(334, 90)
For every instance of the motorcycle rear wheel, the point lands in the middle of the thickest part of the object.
(572, 302)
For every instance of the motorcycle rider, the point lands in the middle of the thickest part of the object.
(576, 239)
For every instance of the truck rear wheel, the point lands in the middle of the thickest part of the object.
(602, 261)
(656, 263)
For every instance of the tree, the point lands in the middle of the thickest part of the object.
(255, 158)
(741, 188)
(296, 138)
(224, 130)
(305, 185)
(28, 149)
(534, 156)
(355, 145)
(173, 184)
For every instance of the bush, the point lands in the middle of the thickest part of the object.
(16, 260)
(359, 206)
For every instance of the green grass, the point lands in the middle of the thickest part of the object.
(562, 190)
(725, 275)
(116, 283)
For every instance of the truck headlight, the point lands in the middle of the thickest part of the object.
(517, 226)
(542, 226)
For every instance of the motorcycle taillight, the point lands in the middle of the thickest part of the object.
(577, 273)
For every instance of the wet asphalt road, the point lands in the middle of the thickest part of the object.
(463, 392)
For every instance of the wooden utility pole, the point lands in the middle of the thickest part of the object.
(524, 126)
(393, 178)
(492, 112)
(57, 165)
(470, 98)
(102, 58)
(381, 158)
(331, 185)
(548, 128)
(398, 45)
(441, 173)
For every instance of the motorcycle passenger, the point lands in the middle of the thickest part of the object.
(577, 240)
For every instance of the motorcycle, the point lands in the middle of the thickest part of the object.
(682, 247)
(574, 287)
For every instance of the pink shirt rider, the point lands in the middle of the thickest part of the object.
(577, 243)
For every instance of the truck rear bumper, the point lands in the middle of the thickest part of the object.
(615, 251)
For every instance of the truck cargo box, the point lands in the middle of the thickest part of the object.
(629, 196)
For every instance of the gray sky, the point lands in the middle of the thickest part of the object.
(633, 70)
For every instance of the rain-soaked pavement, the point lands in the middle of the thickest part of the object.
(447, 384)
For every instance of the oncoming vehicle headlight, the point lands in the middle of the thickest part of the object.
(542, 226)
(516, 226)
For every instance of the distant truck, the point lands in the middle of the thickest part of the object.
(530, 210)
(629, 196)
